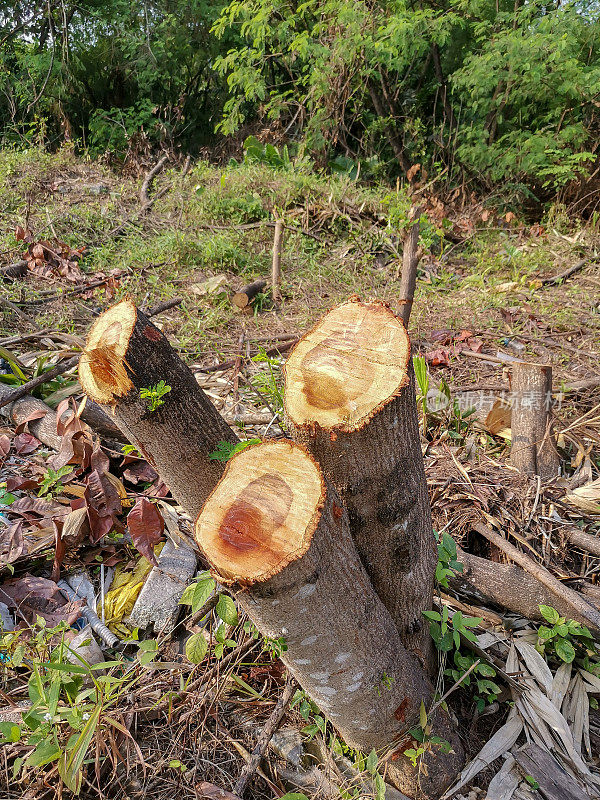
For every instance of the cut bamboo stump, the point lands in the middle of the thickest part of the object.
(533, 449)
(274, 530)
(350, 398)
(126, 353)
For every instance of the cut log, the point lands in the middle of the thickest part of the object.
(126, 353)
(350, 398)
(246, 295)
(533, 449)
(274, 530)
(507, 586)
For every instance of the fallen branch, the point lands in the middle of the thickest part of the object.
(160, 308)
(509, 587)
(572, 598)
(265, 737)
(16, 270)
(245, 296)
(27, 388)
(566, 273)
(10, 306)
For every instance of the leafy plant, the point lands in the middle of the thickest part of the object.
(269, 383)
(257, 153)
(154, 395)
(70, 700)
(566, 639)
(226, 450)
(425, 740)
(447, 565)
(487, 690)
(51, 481)
(196, 595)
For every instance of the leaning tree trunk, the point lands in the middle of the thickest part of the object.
(126, 353)
(350, 398)
(274, 529)
(533, 448)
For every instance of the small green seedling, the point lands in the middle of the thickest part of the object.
(154, 395)
(51, 482)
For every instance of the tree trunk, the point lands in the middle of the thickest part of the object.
(274, 529)
(126, 353)
(533, 450)
(350, 398)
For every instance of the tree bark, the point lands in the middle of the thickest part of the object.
(274, 529)
(350, 398)
(391, 134)
(533, 450)
(126, 353)
(410, 262)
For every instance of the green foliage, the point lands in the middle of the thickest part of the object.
(485, 690)
(154, 395)
(447, 565)
(257, 153)
(51, 481)
(196, 595)
(567, 640)
(425, 740)
(226, 450)
(70, 699)
(520, 83)
(270, 383)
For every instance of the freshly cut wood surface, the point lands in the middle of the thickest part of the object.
(262, 514)
(342, 372)
(275, 528)
(125, 354)
(102, 367)
(350, 400)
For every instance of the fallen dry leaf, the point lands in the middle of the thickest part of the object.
(146, 527)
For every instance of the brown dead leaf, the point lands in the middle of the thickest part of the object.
(4, 446)
(25, 444)
(103, 505)
(206, 789)
(12, 544)
(146, 527)
(140, 472)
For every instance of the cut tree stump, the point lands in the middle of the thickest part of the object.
(125, 353)
(350, 398)
(533, 449)
(275, 531)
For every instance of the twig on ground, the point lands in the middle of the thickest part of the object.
(282, 348)
(164, 306)
(265, 737)
(28, 387)
(566, 273)
(545, 577)
(17, 311)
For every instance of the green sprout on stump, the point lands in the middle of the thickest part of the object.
(154, 395)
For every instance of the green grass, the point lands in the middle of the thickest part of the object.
(219, 220)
